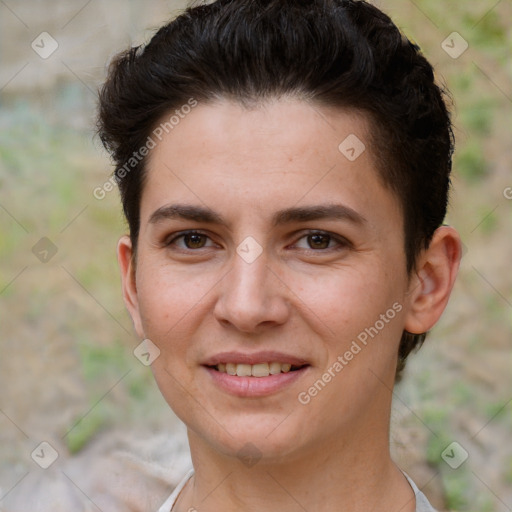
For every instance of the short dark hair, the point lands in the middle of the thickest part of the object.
(337, 53)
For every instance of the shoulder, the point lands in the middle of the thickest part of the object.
(171, 500)
(422, 503)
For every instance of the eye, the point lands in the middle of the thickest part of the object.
(191, 240)
(320, 240)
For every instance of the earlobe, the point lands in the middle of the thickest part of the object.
(433, 282)
(128, 281)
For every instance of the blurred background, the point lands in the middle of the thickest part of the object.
(68, 375)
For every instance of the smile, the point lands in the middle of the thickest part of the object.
(256, 370)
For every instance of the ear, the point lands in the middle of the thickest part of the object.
(126, 260)
(434, 277)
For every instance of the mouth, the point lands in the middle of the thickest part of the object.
(256, 370)
(255, 375)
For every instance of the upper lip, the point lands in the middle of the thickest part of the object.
(254, 358)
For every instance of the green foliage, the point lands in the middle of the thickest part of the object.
(438, 421)
(117, 362)
(487, 32)
(495, 410)
(509, 472)
(435, 446)
(140, 384)
(462, 392)
(83, 431)
(477, 117)
(489, 221)
(97, 362)
(103, 360)
(470, 162)
(457, 487)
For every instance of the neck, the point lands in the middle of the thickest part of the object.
(355, 470)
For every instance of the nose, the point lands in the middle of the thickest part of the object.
(251, 297)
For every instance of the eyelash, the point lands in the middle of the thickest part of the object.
(182, 235)
(342, 242)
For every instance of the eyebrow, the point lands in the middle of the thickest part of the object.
(186, 212)
(286, 216)
(321, 212)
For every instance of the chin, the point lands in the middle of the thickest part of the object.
(265, 437)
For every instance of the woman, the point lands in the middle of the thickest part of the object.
(284, 170)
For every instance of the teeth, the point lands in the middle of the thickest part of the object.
(260, 370)
(254, 370)
(275, 368)
(243, 370)
(286, 367)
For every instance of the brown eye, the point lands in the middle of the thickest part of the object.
(321, 242)
(194, 240)
(318, 241)
(191, 240)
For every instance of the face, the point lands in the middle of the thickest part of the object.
(265, 251)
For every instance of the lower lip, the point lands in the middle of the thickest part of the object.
(254, 386)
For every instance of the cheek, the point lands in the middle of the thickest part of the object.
(346, 301)
(172, 306)
(359, 317)
(169, 302)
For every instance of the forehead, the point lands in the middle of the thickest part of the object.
(275, 155)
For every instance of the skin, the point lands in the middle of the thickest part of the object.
(305, 296)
